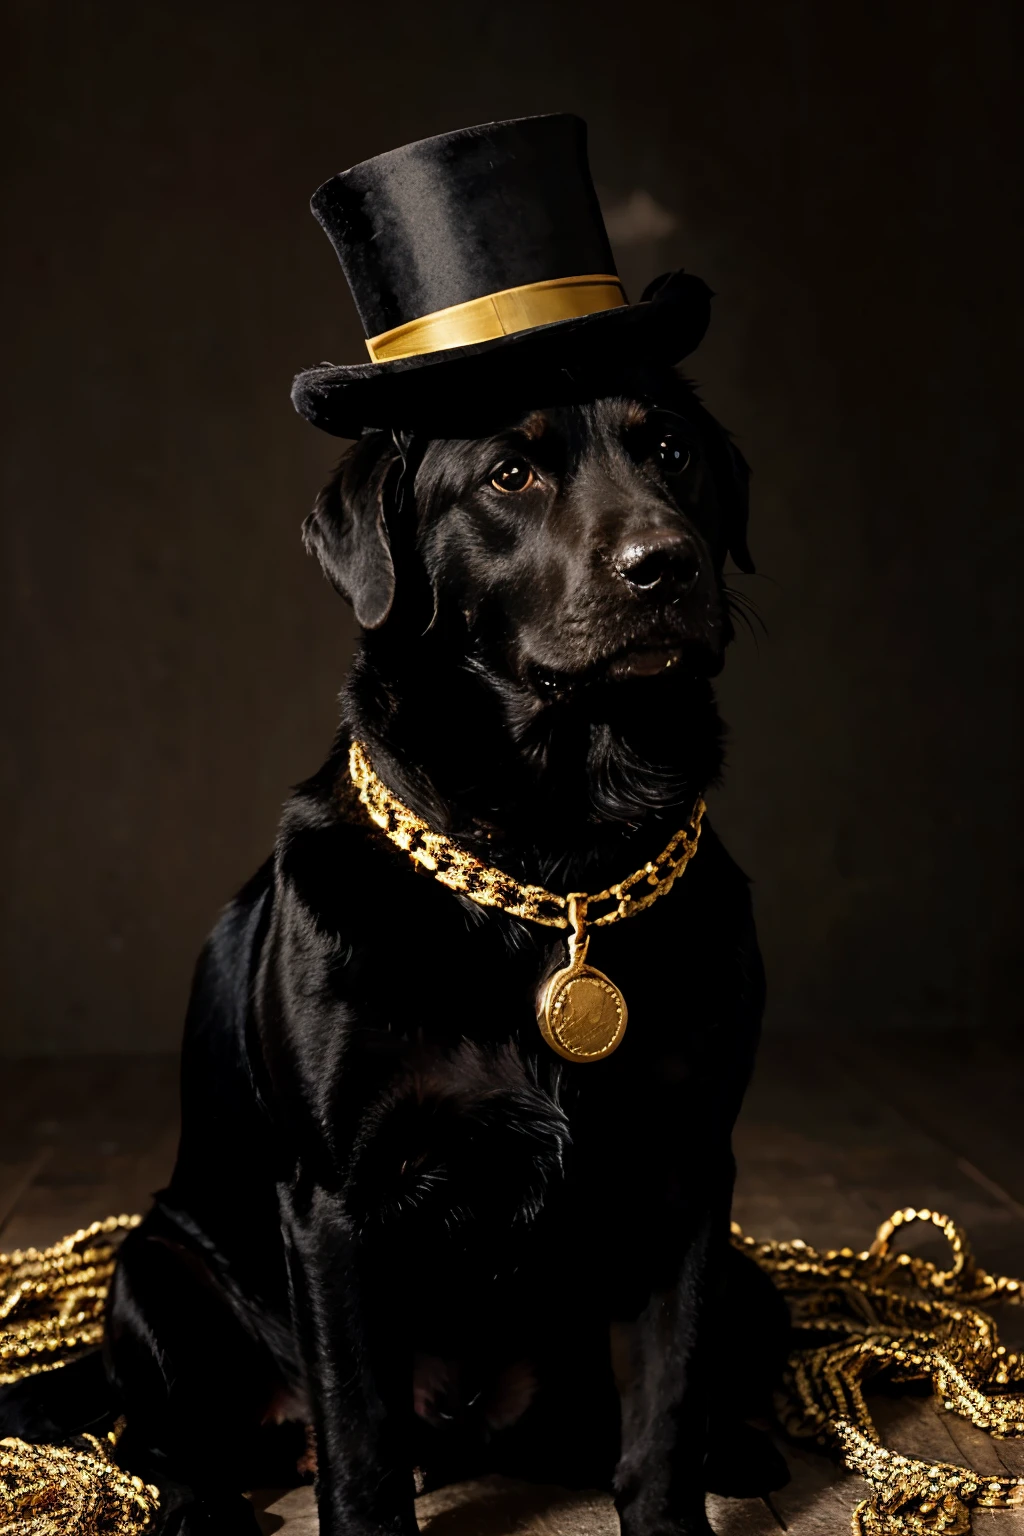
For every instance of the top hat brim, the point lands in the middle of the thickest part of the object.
(544, 361)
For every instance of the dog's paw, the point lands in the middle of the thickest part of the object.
(230, 1516)
(743, 1463)
(693, 1525)
(694, 1522)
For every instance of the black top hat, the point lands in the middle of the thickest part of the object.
(479, 256)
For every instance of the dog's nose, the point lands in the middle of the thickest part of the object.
(662, 557)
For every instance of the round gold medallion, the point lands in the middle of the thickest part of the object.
(582, 1015)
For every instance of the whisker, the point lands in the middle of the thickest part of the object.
(742, 619)
(740, 605)
(743, 598)
(740, 616)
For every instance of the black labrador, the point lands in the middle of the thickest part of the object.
(397, 1216)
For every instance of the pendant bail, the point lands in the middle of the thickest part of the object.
(579, 939)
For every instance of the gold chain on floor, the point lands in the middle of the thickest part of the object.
(51, 1311)
(457, 868)
(885, 1311)
(862, 1313)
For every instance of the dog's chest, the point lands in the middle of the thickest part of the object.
(472, 1113)
(433, 967)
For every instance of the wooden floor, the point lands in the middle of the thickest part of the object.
(832, 1139)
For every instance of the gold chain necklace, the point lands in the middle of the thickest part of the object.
(582, 1015)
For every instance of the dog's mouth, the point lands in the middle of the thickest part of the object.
(637, 660)
(647, 656)
(643, 661)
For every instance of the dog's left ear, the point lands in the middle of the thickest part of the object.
(735, 498)
(347, 529)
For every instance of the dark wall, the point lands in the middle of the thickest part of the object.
(841, 174)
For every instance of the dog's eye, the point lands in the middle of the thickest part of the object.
(673, 453)
(512, 475)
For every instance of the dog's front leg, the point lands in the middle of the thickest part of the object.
(661, 1367)
(359, 1384)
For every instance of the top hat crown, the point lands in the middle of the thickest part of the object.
(477, 254)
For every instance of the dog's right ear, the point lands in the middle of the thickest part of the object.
(347, 528)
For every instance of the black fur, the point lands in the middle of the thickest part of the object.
(395, 1213)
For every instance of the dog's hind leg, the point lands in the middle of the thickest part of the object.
(193, 1384)
(752, 1340)
(72, 1400)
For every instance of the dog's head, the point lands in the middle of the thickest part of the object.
(574, 544)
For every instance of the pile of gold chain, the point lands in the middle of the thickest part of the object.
(461, 871)
(863, 1313)
(51, 1311)
(71, 1490)
(880, 1310)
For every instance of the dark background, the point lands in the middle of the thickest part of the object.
(843, 177)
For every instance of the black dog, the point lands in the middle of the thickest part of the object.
(396, 1214)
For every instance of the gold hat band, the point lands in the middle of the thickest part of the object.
(498, 314)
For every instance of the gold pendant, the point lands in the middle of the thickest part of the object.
(582, 1014)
